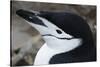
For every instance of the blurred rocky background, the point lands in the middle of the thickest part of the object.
(26, 41)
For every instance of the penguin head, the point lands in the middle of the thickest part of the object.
(62, 31)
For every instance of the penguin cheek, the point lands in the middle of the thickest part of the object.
(62, 45)
(75, 42)
(67, 45)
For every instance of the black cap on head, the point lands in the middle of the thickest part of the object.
(68, 22)
(74, 25)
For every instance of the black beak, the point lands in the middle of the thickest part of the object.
(25, 14)
(30, 16)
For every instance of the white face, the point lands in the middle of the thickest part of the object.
(55, 37)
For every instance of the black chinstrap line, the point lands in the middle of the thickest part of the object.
(58, 37)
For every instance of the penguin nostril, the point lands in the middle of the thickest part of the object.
(59, 32)
(30, 17)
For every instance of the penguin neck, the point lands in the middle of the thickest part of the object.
(44, 55)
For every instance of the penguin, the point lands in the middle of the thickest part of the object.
(68, 37)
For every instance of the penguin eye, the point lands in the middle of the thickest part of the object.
(59, 32)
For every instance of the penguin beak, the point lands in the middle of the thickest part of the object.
(30, 16)
(25, 14)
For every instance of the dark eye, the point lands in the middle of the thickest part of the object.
(59, 32)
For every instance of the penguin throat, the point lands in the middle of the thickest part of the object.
(44, 55)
